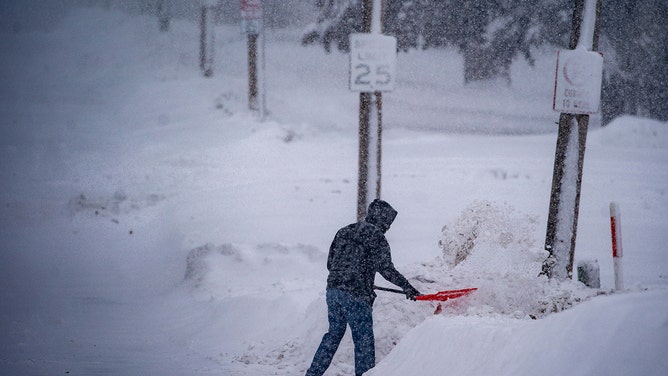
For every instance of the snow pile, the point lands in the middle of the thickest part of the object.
(489, 228)
(635, 132)
(266, 270)
(118, 204)
(604, 337)
(491, 246)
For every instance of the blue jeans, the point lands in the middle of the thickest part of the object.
(344, 308)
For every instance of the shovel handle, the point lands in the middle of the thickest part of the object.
(388, 289)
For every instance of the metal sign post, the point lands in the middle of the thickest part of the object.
(206, 51)
(251, 24)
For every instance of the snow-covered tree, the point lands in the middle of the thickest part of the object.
(635, 46)
(490, 35)
(337, 19)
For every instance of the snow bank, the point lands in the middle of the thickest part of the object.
(607, 336)
(635, 132)
(264, 270)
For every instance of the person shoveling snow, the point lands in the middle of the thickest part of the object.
(358, 251)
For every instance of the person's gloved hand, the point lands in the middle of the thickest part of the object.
(411, 293)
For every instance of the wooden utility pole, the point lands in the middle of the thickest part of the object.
(370, 124)
(567, 177)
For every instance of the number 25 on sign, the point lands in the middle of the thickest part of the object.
(373, 61)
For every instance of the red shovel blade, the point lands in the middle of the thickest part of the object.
(447, 294)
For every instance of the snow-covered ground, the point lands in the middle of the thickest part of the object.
(151, 225)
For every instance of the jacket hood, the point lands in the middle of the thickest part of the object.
(380, 214)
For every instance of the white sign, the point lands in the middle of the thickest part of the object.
(251, 16)
(577, 85)
(251, 9)
(252, 26)
(373, 62)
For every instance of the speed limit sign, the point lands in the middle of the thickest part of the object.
(373, 62)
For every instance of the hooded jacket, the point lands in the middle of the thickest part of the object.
(359, 250)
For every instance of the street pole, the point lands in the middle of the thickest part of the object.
(568, 165)
(202, 38)
(253, 25)
(206, 51)
(370, 124)
(252, 72)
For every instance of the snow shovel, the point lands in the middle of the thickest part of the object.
(440, 296)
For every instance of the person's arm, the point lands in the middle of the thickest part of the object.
(389, 272)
